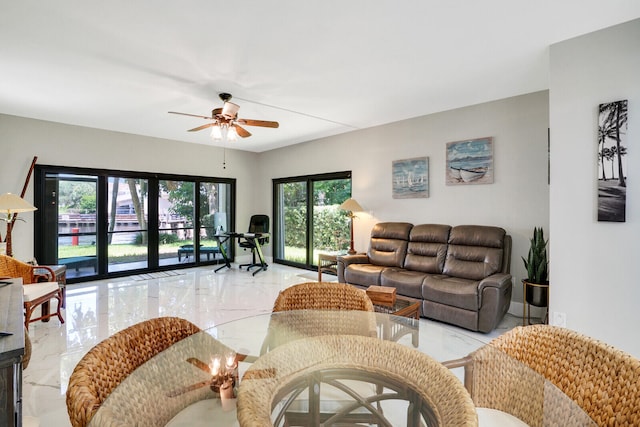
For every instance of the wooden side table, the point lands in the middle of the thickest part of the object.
(327, 263)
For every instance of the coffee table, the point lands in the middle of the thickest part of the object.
(403, 306)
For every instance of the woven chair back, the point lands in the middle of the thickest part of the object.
(296, 367)
(11, 267)
(602, 380)
(322, 296)
(108, 363)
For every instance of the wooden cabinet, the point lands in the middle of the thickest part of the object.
(11, 352)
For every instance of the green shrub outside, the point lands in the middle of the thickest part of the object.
(331, 228)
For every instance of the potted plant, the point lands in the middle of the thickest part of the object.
(537, 270)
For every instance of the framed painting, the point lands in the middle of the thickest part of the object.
(410, 178)
(612, 167)
(470, 162)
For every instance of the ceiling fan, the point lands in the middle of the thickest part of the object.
(225, 122)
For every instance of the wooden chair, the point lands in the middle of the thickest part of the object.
(39, 288)
(111, 361)
(322, 296)
(603, 381)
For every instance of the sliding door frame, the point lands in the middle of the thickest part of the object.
(277, 215)
(40, 174)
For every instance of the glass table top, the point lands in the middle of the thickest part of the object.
(180, 379)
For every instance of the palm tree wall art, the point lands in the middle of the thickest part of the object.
(612, 186)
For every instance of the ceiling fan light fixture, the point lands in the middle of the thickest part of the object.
(216, 133)
(230, 110)
(232, 134)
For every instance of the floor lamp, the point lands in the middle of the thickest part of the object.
(351, 206)
(12, 205)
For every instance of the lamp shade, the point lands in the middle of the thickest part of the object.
(351, 205)
(11, 203)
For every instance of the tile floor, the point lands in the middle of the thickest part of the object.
(96, 310)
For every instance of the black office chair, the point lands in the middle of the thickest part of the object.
(259, 224)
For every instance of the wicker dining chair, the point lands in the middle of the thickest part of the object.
(109, 363)
(322, 296)
(40, 288)
(311, 366)
(319, 308)
(600, 379)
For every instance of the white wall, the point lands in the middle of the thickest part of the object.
(518, 199)
(56, 144)
(595, 265)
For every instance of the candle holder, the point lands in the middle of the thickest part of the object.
(224, 378)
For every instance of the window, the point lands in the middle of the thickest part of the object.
(102, 223)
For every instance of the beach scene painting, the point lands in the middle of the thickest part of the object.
(612, 164)
(470, 162)
(410, 178)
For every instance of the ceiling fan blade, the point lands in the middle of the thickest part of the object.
(192, 115)
(262, 123)
(208, 125)
(183, 390)
(199, 364)
(242, 131)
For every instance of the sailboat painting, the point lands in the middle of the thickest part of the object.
(410, 178)
(470, 162)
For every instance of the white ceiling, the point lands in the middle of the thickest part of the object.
(320, 68)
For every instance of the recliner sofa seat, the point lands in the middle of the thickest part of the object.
(460, 273)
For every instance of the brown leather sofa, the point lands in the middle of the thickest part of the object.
(461, 273)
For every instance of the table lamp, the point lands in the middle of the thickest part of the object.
(12, 205)
(352, 206)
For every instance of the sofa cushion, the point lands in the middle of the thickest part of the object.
(474, 251)
(427, 248)
(453, 291)
(406, 282)
(388, 245)
(477, 235)
(363, 274)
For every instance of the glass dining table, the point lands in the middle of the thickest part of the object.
(304, 368)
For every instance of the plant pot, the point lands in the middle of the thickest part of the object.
(537, 294)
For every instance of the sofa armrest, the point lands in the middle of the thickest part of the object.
(498, 280)
(495, 297)
(345, 260)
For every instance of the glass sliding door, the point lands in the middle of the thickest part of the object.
(214, 217)
(109, 223)
(127, 229)
(176, 213)
(308, 219)
(331, 225)
(70, 211)
(292, 220)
